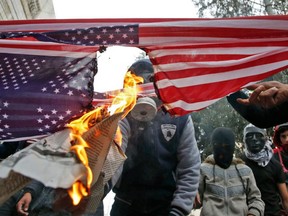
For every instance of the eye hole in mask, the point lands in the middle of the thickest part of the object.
(255, 142)
(254, 136)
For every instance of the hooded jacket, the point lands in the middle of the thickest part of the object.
(229, 192)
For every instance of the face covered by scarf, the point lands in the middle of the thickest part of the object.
(223, 142)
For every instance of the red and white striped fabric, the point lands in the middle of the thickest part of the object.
(214, 58)
(191, 77)
(196, 61)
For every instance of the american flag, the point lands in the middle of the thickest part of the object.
(43, 87)
(196, 61)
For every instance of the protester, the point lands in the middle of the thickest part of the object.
(280, 140)
(35, 199)
(21, 202)
(268, 172)
(227, 186)
(161, 173)
(266, 106)
(25, 201)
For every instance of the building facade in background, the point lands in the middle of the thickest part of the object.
(26, 9)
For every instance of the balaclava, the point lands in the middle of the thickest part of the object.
(254, 138)
(223, 142)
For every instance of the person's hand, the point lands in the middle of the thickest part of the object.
(266, 94)
(197, 202)
(23, 204)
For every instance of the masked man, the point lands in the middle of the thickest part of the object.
(267, 170)
(161, 173)
(227, 186)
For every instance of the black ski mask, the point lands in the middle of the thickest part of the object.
(223, 142)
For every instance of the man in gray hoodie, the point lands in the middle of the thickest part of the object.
(227, 186)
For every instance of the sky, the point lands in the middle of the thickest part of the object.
(124, 9)
(113, 63)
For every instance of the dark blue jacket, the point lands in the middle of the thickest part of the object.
(162, 163)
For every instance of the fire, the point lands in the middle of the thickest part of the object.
(118, 136)
(124, 101)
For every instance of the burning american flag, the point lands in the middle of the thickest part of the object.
(47, 69)
(47, 66)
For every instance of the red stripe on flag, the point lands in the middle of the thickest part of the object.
(194, 70)
(209, 91)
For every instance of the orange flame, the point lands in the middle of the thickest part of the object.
(118, 136)
(122, 102)
(126, 99)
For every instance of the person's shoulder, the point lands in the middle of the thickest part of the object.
(276, 154)
(244, 169)
(209, 160)
(180, 120)
(284, 154)
(207, 165)
(247, 160)
(183, 117)
(274, 162)
(238, 160)
(243, 165)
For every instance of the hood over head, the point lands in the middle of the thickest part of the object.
(143, 68)
(223, 142)
(254, 138)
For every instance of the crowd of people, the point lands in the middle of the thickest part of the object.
(163, 174)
